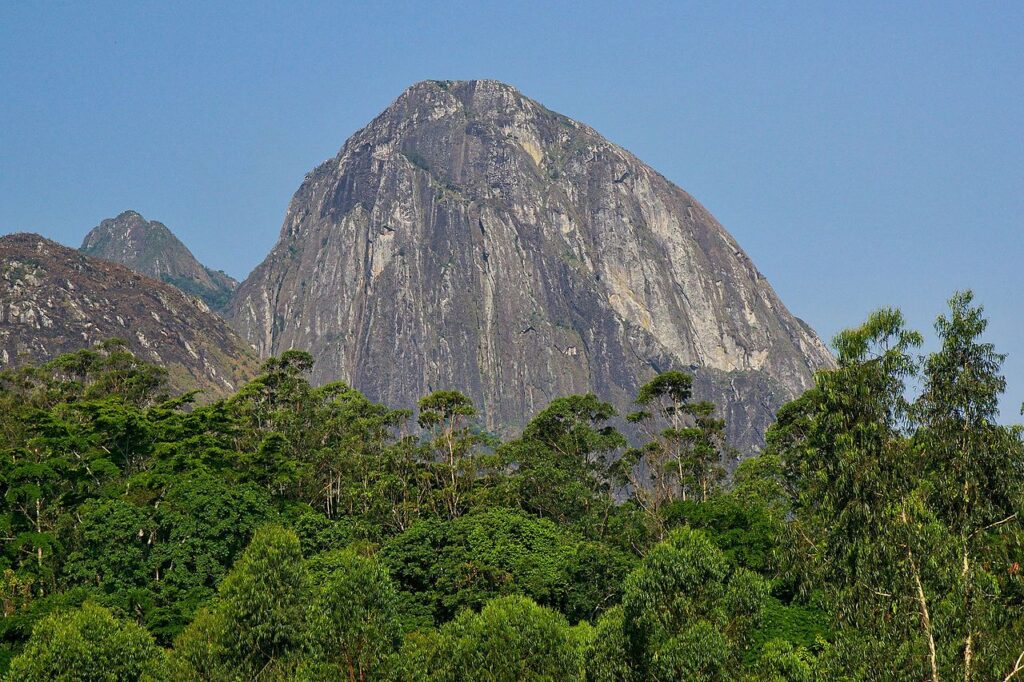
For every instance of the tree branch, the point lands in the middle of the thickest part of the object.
(1003, 522)
(1017, 667)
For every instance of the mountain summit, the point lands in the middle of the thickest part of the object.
(150, 248)
(470, 238)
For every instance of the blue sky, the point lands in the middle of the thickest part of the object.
(864, 154)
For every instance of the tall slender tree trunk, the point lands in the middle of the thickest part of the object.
(968, 604)
(922, 602)
(966, 570)
(926, 620)
(39, 531)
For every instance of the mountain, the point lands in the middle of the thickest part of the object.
(470, 238)
(149, 247)
(54, 299)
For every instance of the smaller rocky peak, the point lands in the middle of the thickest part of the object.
(129, 217)
(23, 239)
(149, 247)
(131, 235)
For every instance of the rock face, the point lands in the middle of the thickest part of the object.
(470, 238)
(54, 300)
(152, 249)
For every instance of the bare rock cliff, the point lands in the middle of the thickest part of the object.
(470, 238)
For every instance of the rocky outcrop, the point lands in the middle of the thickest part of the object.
(152, 249)
(470, 238)
(54, 300)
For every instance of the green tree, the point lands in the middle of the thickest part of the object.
(201, 652)
(203, 525)
(112, 554)
(445, 566)
(563, 460)
(263, 598)
(452, 447)
(511, 639)
(273, 418)
(353, 615)
(71, 428)
(87, 644)
(606, 655)
(908, 516)
(973, 466)
(686, 445)
(687, 614)
(859, 528)
(357, 460)
(258, 623)
(780, 661)
(746, 530)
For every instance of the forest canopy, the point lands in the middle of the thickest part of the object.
(301, 532)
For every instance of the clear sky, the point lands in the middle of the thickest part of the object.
(864, 154)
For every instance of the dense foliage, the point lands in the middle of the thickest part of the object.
(302, 532)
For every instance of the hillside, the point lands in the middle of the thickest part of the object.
(54, 299)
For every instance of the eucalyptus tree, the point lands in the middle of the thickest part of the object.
(562, 463)
(859, 528)
(687, 613)
(452, 448)
(257, 626)
(908, 514)
(354, 624)
(686, 444)
(272, 420)
(511, 639)
(86, 644)
(351, 452)
(974, 469)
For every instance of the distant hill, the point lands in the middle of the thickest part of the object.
(149, 247)
(54, 299)
(470, 238)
